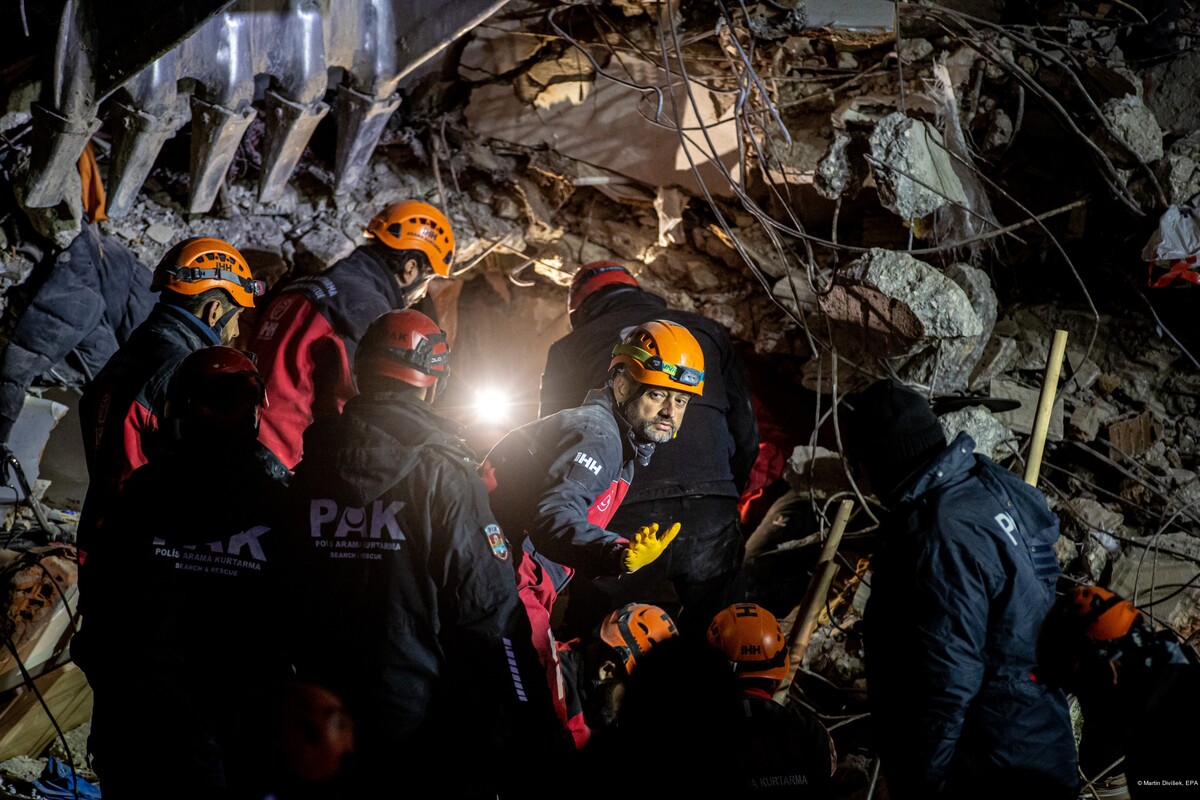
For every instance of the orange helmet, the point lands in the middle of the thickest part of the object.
(1081, 626)
(219, 385)
(633, 629)
(750, 638)
(591, 278)
(198, 264)
(413, 225)
(662, 353)
(406, 346)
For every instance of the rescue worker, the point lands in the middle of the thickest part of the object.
(307, 333)
(203, 284)
(784, 751)
(409, 608)
(695, 480)
(180, 638)
(559, 480)
(963, 577)
(1134, 686)
(597, 667)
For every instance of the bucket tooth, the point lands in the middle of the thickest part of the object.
(361, 119)
(289, 127)
(60, 142)
(216, 132)
(138, 136)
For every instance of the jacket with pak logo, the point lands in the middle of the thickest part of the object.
(409, 608)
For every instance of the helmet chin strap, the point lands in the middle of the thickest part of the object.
(219, 325)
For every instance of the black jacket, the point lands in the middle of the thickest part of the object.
(86, 301)
(718, 442)
(407, 601)
(193, 653)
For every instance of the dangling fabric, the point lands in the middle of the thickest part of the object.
(93, 188)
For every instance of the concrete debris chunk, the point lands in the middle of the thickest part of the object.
(1179, 170)
(992, 438)
(998, 353)
(163, 234)
(834, 172)
(1171, 92)
(948, 365)
(1021, 419)
(1095, 516)
(321, 248)
(915, 175)
(551, 81)
(1084, 423)
(816, 471)
(1136, 127)
(935, 303)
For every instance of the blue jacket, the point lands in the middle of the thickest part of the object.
(85, 303)
(960, 586)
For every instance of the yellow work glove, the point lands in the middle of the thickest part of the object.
(647, 545)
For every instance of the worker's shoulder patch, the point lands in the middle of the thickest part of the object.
(496, 541)
(584, 468)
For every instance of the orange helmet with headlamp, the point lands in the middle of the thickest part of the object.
(196, 265)
(662, 353)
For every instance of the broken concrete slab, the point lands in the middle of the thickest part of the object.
(921, 178)
(635, 144)
(320, 248)
(551, 81)
(1020, 420)
(1084, 423)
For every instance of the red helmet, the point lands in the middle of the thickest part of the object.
(218, 385)
(633, 629)
(591, 278)
(406, 346)
(413, 225)
(750, 637)
(196, 265)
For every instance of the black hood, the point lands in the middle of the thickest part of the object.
(376, 441)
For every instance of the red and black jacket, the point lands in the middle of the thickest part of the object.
(560, 479)
(120, 410)
(305, 342)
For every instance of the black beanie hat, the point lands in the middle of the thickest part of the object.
(893, 432)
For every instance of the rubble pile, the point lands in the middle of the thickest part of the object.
(849, 200)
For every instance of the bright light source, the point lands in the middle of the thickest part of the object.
(491, 404)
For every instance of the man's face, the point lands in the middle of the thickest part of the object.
(657, 414)
(413, 280)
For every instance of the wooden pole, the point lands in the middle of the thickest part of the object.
(814, 597)
(1041, 423)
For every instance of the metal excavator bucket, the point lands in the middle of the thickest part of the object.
(219, 65)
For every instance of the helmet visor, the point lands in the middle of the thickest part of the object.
(686, 376)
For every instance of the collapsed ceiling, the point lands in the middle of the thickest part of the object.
(855, 189)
